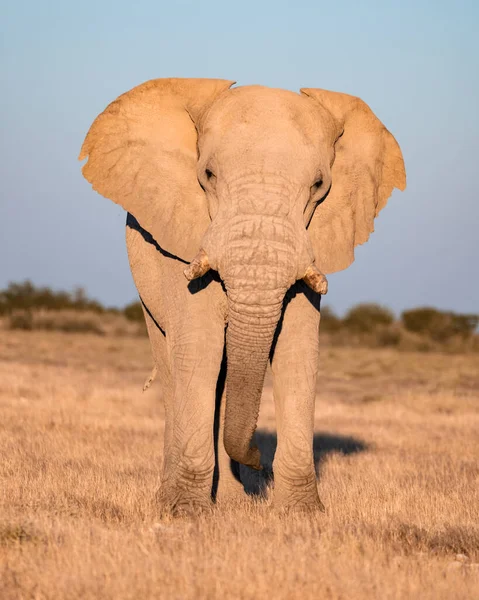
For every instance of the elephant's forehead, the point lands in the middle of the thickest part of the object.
(257, 101)
(263, 107)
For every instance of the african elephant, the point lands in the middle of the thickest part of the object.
(252, 193)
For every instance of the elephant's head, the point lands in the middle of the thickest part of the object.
(259, 184)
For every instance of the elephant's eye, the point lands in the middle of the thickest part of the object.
(316, 185)
(209, 174)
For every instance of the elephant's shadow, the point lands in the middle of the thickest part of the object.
(255, 482)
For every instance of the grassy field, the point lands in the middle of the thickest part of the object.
(397, 449)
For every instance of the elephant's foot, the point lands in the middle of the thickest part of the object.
(181, 503)
(189, 508)
(304, 506)
(297, 494)
(185, 493)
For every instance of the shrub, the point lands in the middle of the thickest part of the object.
(27, 307)
(388, 336)
(438, 325)
(367, 317)
(26, 297)
(330, 322)
(134, 312)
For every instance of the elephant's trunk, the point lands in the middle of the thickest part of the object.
(258, 266)
(249, 338)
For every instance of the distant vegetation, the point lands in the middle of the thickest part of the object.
(25, 296)
(367, 317)
(26, 306)
(440, 326)
(417, 329)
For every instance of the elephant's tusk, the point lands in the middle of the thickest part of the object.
(316, 280)
(198, 266)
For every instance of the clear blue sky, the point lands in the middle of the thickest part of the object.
(416, 63)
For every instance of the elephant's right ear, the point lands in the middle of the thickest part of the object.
(142, 154)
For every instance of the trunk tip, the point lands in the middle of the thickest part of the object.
(250, 458)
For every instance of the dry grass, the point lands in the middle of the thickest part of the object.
(81, 448)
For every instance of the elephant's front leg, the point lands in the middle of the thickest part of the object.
(294, 366)
(195, 351)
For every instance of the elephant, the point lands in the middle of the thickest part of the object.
(239, 201)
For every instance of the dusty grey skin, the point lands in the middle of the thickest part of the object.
(252, 194)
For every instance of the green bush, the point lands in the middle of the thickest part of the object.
(387, 336)
(438, 325)
(134, 312)
(367, 317)
(26, 297)
(330, 322)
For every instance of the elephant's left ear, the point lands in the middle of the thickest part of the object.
(368, 165)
